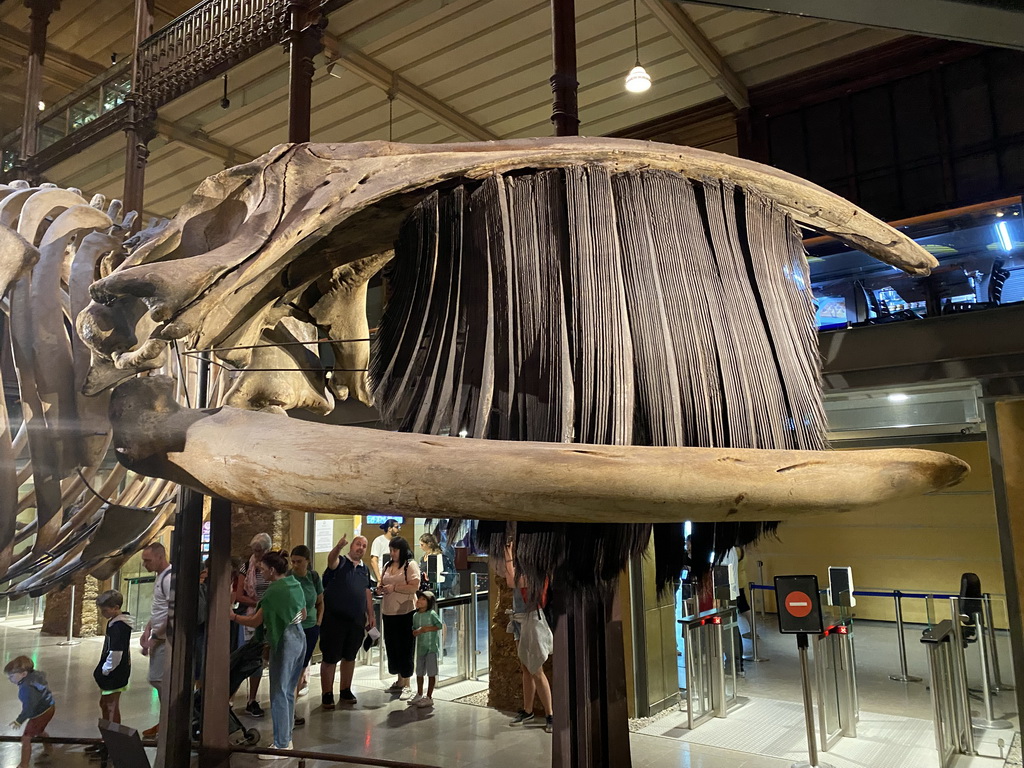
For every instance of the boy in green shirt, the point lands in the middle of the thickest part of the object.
(426, 628)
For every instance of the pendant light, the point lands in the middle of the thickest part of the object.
(637, 81)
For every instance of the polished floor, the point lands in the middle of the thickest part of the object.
(765, 733)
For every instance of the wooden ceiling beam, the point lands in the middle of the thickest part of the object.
(372, 71)
(15, 45)
(200, 142)
(695, 42)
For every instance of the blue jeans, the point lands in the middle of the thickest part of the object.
(285, 670)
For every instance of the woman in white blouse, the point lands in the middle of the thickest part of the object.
(398, 585)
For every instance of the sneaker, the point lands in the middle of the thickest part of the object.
(253, 709)
(277, 757)
(304, 690)
(396, 687)
(346, 697)
(299, 721)
(327, 701)
(523, 718)
(405, 694)
(426, 701)
(416, 697)
(549, 726)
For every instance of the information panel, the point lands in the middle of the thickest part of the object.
(799, 605)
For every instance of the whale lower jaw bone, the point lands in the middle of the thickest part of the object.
(262, 459)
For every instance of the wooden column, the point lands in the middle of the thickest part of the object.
(305, 42)
(175, 743)
(564, 85)
(140, 129)
(213, 743)
(39, 17)
(589, 689)
(1005, 423)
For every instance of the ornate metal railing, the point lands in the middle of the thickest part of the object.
(204, 42)
(198, 46)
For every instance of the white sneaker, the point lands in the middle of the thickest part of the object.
(405, 694)
(416, 697)
(426, 701)
(304, 690)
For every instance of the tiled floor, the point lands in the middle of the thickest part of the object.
(895, 721)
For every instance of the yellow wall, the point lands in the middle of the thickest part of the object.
(915, 545)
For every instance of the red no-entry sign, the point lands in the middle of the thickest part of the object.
(798, 604)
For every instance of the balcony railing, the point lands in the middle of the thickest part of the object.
(198, 46)
(207, 40)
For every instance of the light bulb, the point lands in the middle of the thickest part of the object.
(41, 105)
(638, 81)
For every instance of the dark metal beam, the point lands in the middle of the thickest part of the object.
(985, 22)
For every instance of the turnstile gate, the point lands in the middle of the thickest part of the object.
(836, 683)
(950, 702)
(710, 657)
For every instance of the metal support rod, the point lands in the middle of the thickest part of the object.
(718, 669)
(989, 722)
(902, 677)
(990, 627)
(471, 671)
(753, 627)
(71, 621)
(965, 734)
(760, 580)
(805, 688)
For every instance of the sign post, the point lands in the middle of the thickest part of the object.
(800, 614)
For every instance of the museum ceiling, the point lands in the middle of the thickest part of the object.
(463, 70)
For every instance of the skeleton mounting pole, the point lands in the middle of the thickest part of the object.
(589, 688)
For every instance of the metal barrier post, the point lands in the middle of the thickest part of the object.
(989, 721)
(71, 622)
(965, 735)
(35, 610)
(805, 685)
(471, 672)
(753, 627)
(990, 627)
(760, 580)
(902, 677)
(7, 608)
(718, 669)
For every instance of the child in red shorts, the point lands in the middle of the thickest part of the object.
(37, 705)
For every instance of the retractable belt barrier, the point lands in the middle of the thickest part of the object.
(898, 596)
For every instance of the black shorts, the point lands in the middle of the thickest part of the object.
(341, 638)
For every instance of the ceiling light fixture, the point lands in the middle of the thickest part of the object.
(41, 105)
(637, 81)
(330, 69)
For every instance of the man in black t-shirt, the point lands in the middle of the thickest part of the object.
(348, 613)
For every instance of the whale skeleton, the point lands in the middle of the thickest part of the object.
(267, 266)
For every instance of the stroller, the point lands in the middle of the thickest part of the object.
(246, 660)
